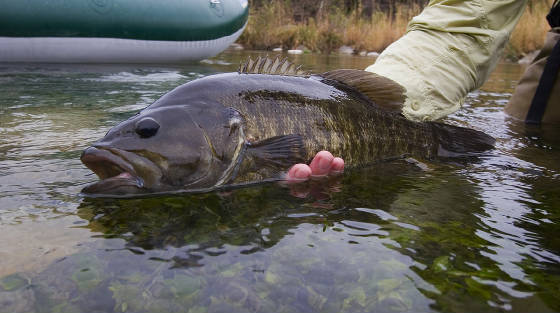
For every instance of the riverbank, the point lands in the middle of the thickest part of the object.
(274, 26)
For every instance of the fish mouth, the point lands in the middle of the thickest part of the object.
(116, 174)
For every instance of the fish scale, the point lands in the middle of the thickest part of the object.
(251, 126)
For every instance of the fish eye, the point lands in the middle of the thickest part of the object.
(146, 127)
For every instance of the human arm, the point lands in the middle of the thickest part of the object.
(449, 50)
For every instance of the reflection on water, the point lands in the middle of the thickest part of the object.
(464, 236)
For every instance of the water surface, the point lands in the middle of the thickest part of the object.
(477, 235)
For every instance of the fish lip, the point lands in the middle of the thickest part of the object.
(112, 169)
(94, 156)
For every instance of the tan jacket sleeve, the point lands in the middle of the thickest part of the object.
(448, 51)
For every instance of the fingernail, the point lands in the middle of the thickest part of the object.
(298, 173)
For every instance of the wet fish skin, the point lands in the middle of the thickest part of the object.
(326, 114)
(237, 128)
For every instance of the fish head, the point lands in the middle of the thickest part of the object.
(166, 148)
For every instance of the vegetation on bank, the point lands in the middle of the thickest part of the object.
(531, 30)
(324, 26)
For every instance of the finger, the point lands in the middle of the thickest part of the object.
(337, 166)
(298, 173)
(321, 164)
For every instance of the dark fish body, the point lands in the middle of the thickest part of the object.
(325, 114)
(238, 128)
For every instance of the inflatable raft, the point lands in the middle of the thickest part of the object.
(118, 31)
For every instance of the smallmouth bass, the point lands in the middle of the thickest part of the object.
(252, 125)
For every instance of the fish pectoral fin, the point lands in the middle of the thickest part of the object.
(384, 92)
(280, 151)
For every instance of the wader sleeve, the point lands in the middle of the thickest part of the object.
(535, 98)
(449, 50)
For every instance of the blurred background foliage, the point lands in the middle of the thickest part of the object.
(364, 25)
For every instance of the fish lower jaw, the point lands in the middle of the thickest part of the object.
(138, 181)
(124, 176)
(123, 183)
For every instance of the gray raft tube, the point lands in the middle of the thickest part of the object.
(118, 31)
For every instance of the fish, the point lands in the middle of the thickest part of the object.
(250, 126)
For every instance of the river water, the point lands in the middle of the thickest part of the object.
(461, 236)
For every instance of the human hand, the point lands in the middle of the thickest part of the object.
(323, 164)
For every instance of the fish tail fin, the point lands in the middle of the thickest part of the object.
(457, 141)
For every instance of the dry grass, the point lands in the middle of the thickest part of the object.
(381, 30)
(530, 32)
(273, 26)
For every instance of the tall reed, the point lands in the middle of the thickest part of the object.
(273, 25)
(530, 32)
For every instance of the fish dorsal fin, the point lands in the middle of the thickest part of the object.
(381, 90)
(266, 65)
